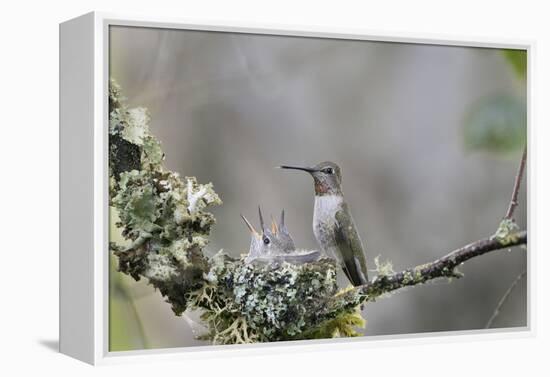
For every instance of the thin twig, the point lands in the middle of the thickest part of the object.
(517, 183)
(503, 299)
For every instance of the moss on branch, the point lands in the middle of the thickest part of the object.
(445, 267)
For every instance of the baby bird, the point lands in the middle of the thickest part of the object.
(274, 244)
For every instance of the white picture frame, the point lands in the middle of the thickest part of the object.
(84, 78)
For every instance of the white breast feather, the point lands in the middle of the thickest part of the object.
(325, 209)
(327, 205)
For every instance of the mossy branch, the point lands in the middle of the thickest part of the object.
(445, 267)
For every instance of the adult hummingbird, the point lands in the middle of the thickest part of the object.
(333, 225)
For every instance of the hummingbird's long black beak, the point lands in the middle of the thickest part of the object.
(309, 170)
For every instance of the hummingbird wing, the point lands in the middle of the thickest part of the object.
(350, 248)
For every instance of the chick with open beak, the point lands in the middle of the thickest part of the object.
(274, 244)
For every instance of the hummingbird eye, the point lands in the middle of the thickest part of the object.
(267, 241)
(328, 170)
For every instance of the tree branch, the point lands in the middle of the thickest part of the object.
(440, 268)
(517, 183)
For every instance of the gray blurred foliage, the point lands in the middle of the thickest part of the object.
(229, 107)
(497, 124)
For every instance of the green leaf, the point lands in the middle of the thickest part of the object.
(518, 60)
(496, 124)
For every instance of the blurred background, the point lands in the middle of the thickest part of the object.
(428, 137)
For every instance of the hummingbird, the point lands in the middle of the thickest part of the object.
(333, 224)
(275, 244)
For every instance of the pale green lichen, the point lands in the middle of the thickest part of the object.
(160, 267)
(166, 232)
(166, 222)
(384, 268)
(137, 125)
(507, 232)
(260, 303)
(408, 278)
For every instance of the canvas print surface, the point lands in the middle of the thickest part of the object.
(268, 188)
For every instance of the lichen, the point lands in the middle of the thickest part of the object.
(344, 324)
(259, 303)
(507, 232)
(166, 238)
(384, 268)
